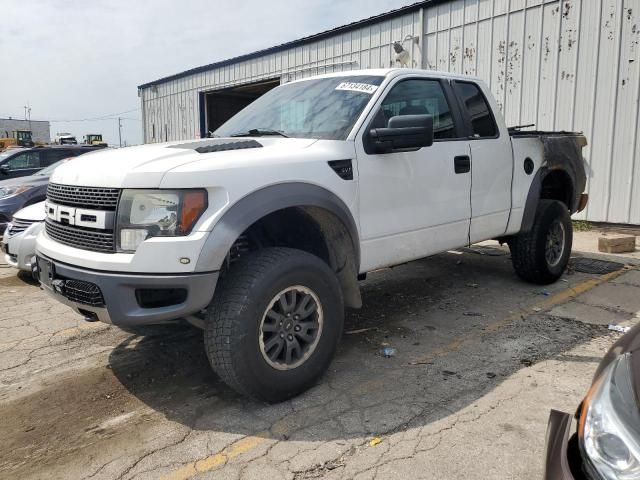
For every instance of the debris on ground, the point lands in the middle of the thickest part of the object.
(536, 309)
(544, 292)
(360, 330)
(491, 375)
(473, 314)
(472, 285)
(618, 328)
(616, 243)
(420, 362)
(388, 352)
(375, 441)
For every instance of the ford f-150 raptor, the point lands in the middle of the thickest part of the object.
(260, 234)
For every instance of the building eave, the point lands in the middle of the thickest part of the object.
(296, 43)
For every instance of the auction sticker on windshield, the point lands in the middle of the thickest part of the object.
(357, 87)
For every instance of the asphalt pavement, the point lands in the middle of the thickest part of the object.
(480, 359)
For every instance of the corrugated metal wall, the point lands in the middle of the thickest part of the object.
(171, 109)
(561, 64)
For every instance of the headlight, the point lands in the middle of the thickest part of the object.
(144, 214)
(14, 190)
(609, 429)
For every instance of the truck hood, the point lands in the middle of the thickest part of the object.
(33, 213)
(145, 166)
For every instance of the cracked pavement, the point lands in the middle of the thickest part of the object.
(481, 359)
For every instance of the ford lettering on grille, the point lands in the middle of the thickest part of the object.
(82, 217)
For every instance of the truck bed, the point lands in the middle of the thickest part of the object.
(559, 150)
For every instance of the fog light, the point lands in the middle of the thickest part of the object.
(130, 238)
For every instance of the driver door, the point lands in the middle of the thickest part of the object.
(414, 203)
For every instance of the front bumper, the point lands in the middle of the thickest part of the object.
(20, 248)
(117, 298)
(563, 459)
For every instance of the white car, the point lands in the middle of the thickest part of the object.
(19, 241)
(260, 236)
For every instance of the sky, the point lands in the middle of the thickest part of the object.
(72, 60)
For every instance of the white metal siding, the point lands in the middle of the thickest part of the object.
(561, 64)
(174, 104)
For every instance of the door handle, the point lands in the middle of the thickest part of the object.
(462, 164)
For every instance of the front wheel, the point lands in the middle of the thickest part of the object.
(274, 323)
(542, 254)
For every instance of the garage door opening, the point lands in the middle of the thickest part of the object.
(220, 105)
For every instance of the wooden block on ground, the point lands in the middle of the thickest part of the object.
(616, 243)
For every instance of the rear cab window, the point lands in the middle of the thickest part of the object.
(476, 108)
(58, 154)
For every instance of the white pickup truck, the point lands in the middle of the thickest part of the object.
(260, 234)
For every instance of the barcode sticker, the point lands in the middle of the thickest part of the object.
(357, 87)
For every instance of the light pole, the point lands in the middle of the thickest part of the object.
(120, 130)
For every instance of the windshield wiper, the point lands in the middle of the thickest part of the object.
(259, 132)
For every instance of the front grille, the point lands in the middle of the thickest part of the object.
(80, 237)
(84, 197)
(18, 226)
(83, 292)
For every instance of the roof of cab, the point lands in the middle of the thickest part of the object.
(389, 72)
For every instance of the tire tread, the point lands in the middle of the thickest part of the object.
(525, 254)
(232, 296)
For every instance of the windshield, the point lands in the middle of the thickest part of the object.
(325, 108)
(23, 135)
(46, 172)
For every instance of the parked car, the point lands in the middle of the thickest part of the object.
(19, 162)
(19, 241)
(19, 192)
(268, 228)
(606, 444)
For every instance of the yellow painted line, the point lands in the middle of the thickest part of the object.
(558, 298)
(219, 459)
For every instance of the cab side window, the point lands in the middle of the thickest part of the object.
(418, 97)
(482, 122)
(24, 160)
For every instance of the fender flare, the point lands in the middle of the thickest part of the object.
(531, 204)
(254, 206)
(535, 192)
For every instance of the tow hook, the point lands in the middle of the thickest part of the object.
(58, 286)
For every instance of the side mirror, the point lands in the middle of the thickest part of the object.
(5, 169)
(404, 133)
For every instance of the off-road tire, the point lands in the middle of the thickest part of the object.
(528, 250)
(233, 322)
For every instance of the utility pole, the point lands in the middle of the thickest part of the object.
(120, 130)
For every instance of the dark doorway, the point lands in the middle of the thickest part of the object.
(221, 105)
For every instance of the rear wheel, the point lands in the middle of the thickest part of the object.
(542, 254)
(274, 323)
